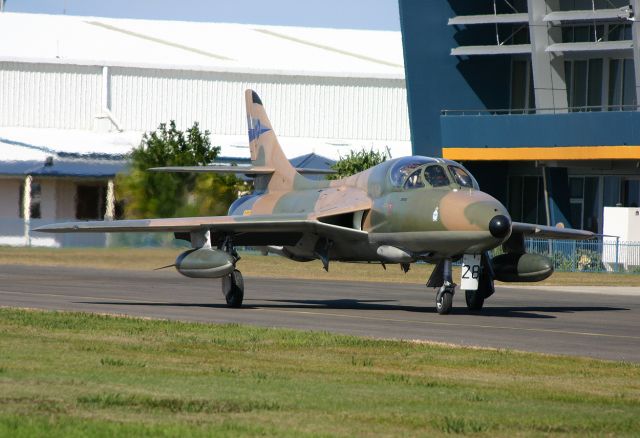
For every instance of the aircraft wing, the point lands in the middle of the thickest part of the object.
(547, 232)
(286, 224)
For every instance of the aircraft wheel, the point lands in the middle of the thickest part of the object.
(444, 301)
(475, 299)
(233, 288)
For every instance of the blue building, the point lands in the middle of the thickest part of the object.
(539, 98)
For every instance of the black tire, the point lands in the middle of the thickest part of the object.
(475, 299)
(444, 302)
(233, 289)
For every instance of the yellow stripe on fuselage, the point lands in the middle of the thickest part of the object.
(543, 153)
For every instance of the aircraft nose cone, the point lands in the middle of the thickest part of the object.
(500, 226)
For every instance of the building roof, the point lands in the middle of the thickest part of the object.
(36, 144)
(64, 153)
(200, 46)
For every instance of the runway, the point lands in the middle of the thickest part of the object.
(543, 320)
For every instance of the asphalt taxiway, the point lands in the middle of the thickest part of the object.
(603, 324)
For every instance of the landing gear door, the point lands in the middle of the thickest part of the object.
(471, 268)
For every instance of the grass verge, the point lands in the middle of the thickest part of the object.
(76, 374)
(273, 267)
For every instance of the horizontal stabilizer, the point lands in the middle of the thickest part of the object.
(246, 170)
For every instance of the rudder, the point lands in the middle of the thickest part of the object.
(265, 148)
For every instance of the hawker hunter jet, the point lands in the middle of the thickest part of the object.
(403, 211)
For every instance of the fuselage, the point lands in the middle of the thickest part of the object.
(430, 208)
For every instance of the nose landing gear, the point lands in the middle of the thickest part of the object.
(442, 279)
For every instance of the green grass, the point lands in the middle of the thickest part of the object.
(273, 266)
(75, 374)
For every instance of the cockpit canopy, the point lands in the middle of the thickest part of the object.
(417, 172)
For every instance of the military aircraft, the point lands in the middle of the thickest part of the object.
(402, 211)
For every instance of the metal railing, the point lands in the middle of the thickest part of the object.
(521, 111)
(605, 254)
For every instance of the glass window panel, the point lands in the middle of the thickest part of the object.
(582, 34)
(404, 167)
(532, 95)
(579, 84)
(414, 181)
(88, 202)
(631, 193)
(595, 84)
(576, 187)
(515, 198)
(629, 86)
(530, 199)
(569, 81)
(518, 85)
(611, 195)
(591, 213)
(436, 176)
(542, 212)
(615, 84)
(576, 214)
(461, 177)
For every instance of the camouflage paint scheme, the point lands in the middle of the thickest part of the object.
(348, 219)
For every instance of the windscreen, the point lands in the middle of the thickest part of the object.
(461, 177)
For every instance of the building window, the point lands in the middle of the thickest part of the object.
(583, 202)
(583, 33)
(622, 82)
(36, 197)
(522, 96)
(631, 193)
(584, 84)
(90, 201)
(526, 199)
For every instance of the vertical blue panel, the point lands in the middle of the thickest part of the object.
(435, 79)
(558, 191)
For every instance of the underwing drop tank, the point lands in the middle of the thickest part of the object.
(204, 263)
(513, 268)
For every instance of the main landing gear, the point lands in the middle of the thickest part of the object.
(444, 297)
(233, 283)
(233, 288)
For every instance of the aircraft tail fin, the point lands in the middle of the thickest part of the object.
(265, 149)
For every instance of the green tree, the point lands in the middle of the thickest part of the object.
(357, 162)
(153, 194)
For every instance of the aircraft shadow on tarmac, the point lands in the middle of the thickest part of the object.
(544, 312)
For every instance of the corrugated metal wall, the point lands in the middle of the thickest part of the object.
(49, 95)
(38, 95)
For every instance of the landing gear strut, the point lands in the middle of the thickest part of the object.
(233, 283)
(444, 298)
